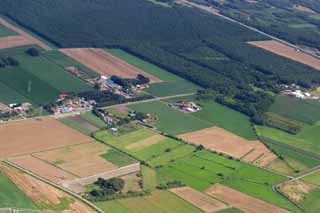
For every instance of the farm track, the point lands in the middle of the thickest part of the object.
(214, 12)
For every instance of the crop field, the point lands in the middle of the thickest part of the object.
(118, 158)
(288, 52)
(40, 194)
(149, 178)
(306, 140)
(311, 202)
(104, 63)
(9, 95)
(198, 199)
(148, 146)
(11, 196)
(24, 34)
(4, 31)
(220, 140)
(13, 41)
(203, 169)
(171, 85)
(37, 135)
(296, 109)
(171, 121)
(38, 78)
(79, 124)
(158, 202)
(314, 179)
(242, 201)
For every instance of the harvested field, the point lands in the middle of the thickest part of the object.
(27, 36)
(104, 63)
(196, 198)
(296, 190)
(81, 160)
(220, 140)
(303, 9)
(242, 201)
(36, 135)
(155, 139)
(13, 41)
(286, 51)
(42, 193)
(42, 169)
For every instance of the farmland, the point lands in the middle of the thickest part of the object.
(159, 201)
(37, 78)
(313, 179)
(11, 196)
(311, 203)
(37, 135)
(289, 52)
(4, 31)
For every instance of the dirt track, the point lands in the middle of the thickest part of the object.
(286, 51)
(36, 135)
(27, 36)
(198, 199)
(104, 63)
(13, 41)
(242, 201)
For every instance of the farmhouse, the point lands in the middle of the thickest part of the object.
(186, 107)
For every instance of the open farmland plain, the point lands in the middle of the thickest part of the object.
(104, 63)
(5, 32)
(289, 52)
(37, 135)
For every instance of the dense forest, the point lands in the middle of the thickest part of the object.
(200, 47)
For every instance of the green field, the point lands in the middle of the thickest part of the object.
(203, 169)
(230, 210)
(75, 125)
(160, 153)
(149, 178)
(93, 119)
(6, 32)
(313, 178)
(296, 109)
(8, 95)
(118, 158)
(307, 139)
(311, 203)
(36, 78)
(172, 84)
(11, 196)
(158, 202)
(171, 121)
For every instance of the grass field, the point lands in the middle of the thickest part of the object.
(11, 196)
(313, 179)
(296, 109)
(6, 32)
(37, 78)
(149, 178)
(203, 169)
(171, 121)
(9, 95)
(93, 119)
(158, 202)
(75, 125)
(147, 146)
(311, 204)
(118, 158)
(230, 210)
(172, 84)
(307, 139)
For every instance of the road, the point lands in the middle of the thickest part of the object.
(214, 12)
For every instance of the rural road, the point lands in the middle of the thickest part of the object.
(214, 12)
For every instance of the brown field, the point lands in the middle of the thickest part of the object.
(81, 160)
(27, 36)
(296, 190)
(198, 199)
(41, 192)
(145, 143)
(42, 169)
(242, 201)
(303, 9)
(286, 51)
(104, 63)
(13, 41)
(31, 136)
(220, 140)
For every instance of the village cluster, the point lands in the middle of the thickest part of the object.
(185, 107)
(294, 90)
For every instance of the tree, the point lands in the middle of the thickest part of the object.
(33, 52)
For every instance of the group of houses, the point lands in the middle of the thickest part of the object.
(294, 91)
(186, 107)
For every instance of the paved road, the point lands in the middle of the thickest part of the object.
(214, 12)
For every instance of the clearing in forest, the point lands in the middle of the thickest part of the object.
(104, 63)
(288, 52)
